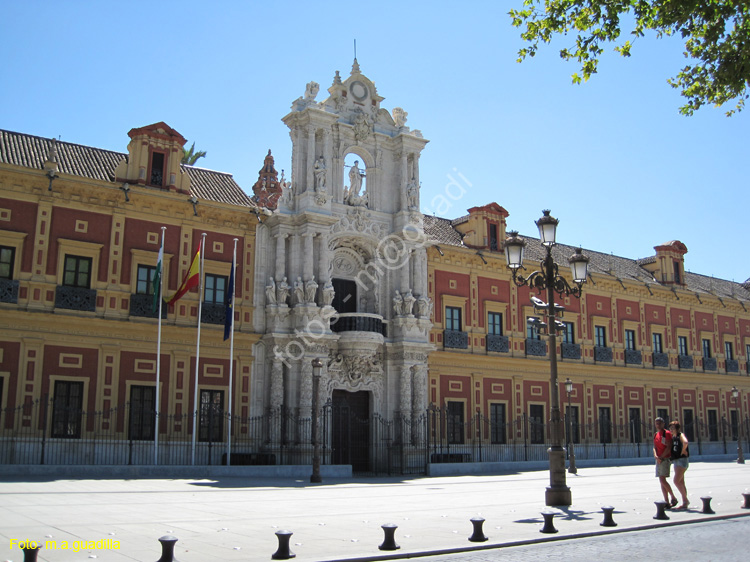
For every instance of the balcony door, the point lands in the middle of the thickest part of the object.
(345, 298)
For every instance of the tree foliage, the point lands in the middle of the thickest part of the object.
(716, 35)
(190, 157)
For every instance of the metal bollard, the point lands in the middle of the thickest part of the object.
(660, 510)
(283, 552)
(30, 553)
(478, 535)
(549, 527)
(747, 501)
(707, 505)
(389, 542)
(168, 543)
(608, 520)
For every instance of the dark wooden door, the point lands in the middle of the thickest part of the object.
(351, 429)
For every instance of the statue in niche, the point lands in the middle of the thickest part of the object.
(423, 307)
(319, 169)
(412, 193)
(271, 291)
(328, 293)
(399, 117)
(282, 291)
(409, 301)
(398, 304)
(311, 91)
(311, 288)
(299, 291)
(351, 194)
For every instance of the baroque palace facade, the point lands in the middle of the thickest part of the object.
(423, 337)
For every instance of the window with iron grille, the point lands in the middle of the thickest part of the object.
(212, 416)
(605, 424)
(453, 318)
(707, 348)
(216, 286)
(568, 335)
(157, 169)
(67, 409)
(728, 350)
(682, 345)
(498, 425)
(536, 424)
(656, 342)
(630, 340)
(77, 272)
(493, 237)
(635, 425)
(713, 425)
(733, 417)
(144, 283)
(7, 259)
(532, 331)
(663, 413)
(455, 422)
(495, 323)
(572, 427)
(601, 336)
(142, 413)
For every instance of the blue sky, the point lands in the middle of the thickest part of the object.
(613, 159)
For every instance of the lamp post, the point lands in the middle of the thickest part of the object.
(738, 400)
(315, 477)
(548, 278)
(571, 453)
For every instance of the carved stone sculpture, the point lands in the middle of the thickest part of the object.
(399, 117)
(282, 291)
(271, 291)
(311, 90)
(299, 291)
(408, 305)
(328, 293)
(412, 193)
(398, 304)
(311, 288)
(319, 169)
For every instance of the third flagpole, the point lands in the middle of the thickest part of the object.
(198, 350)
(233, 279)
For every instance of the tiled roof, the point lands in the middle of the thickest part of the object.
(31, 152)
(441, 231)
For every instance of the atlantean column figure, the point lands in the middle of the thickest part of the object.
(277, 399)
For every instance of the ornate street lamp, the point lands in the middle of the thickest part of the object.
(548, 278)
(738, 400)
(315, 478)
(571, 453)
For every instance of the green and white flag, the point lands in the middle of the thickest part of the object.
(156, 281)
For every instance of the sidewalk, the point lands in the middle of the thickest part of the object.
(234, 519)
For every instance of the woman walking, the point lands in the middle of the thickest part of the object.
(680, 456)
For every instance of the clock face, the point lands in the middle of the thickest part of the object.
(358, 90)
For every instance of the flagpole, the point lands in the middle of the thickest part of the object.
(233, 274)
(158, 348)
(198, 346)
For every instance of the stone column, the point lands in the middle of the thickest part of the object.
(280, 256)
(324, 259)
(277, 400)
(305, 397)
(310, 159)
(406, 392)
(307, 263)
(419, 399)
(404, 179)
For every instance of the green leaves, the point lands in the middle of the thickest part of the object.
(716, 34)
(190, 157)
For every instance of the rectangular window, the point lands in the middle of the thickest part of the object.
(707, 348)
(713, 425)
(493, 237)
(211, 416)
(455, 422)
(157, 169)
(497, 421)
(630, 339)
(453, 318)
(495, 323)
(568, 335)
(572, 426)
(7, 259)
(733, 424)
(216, 286)
(145, 279)
(635, 425)
(656, 343)
(687, 424)
(605, 424)
(601, 336)
(66, 410)
(663, 413)
(728, 350)
(747, 354)
(682, 345)
(676, 272)
(142, 413)
(532, 331)
(77, 272)
(536, 424)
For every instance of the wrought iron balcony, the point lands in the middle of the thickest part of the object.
(570, 350)
(602, 354)
(537, 348)
(213, 313)
(8, 291)
(498, 343)
(660, 359)
(358, 322)
(143, 305)
(455, 340)
(685, 362)
(709, 363)
(733, 366)
(633, 357)
(75, 298)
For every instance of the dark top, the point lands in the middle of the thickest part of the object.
(677, 447)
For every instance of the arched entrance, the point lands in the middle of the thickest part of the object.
(350, 431)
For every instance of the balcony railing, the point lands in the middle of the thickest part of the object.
(709, 363)
(8, 291)
(498, 343)
(143, 305)
(75, 298)
(570, 350)
(537, 348)
(213, 313)
(733, 366)
(660, 359)
(455, 340)
(602, 354)
(685, 362)
(633, 357)
(358, 322)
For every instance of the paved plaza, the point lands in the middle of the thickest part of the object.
(235, 518)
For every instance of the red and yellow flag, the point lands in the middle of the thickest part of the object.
(192, 278)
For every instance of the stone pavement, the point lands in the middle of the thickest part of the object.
(234, 518)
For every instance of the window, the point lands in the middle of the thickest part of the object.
(682, 346)
(568, 333)
(66, 409)
(635, 425)
(656, 343)
(211, 416)
(157, 169)
(605, 424)
(455, 422)
(216, 286)
(734, 426)
(532, 331)
(630, 339)
(747, 353)
(7, 259)
(142, 413)
(601, 336)
(536, 424)
(453, 318)
(77, 272)
(497, 421)
(495, 323)
(493, 237)
(663, 413)
(676, 272)
(572, 426)
(144, 283)
(728, 350)
(707, 348)
(688, 427)
(713, 425)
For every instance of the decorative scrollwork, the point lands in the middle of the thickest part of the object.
(213, 313)
(8, 291)
(498, 343)
(602, 354)
(709, 363)
(685, 362)
(143, 305)
(455, 340)
(75, 298)
(536, 347)
(570, 350)
(660, 359)
(733, 366)
(633, 357)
